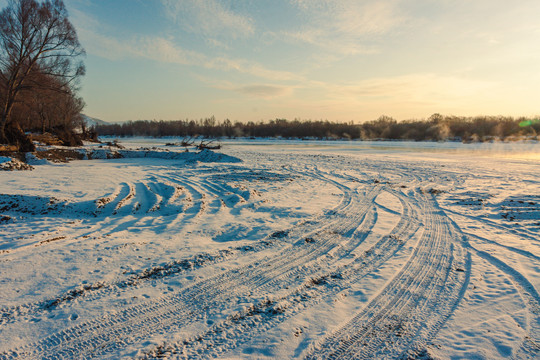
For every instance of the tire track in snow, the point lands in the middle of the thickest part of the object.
(145, 199)
(129, 191)
(238, 328)
(527, 291)
(104, 342)
(530, 296)
(308, 227)
(156, 194)
(138, 322)
(414, 305)
(373, 258)
(99, 290)
(513, 230)
(521, 252)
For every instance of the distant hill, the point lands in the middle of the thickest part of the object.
(90, 121)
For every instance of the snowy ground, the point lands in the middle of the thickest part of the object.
(300, 250)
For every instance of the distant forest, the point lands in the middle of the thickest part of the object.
(436, 128)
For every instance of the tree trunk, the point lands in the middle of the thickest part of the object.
(3, 139)
(3, 122)
(16, 136)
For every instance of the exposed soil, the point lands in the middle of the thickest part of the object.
(60, 155)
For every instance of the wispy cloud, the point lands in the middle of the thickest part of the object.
(254, 90)
(211, 18)
(166, 51)
(345, 25)
(415, 88)
(264, 91)
(251, 68)
(404, 95)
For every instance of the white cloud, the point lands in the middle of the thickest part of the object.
(345, 25)
(405, 96)
(255, 90)
(352, 17)
(217, 44)
(166, 51)
(414, 88)
(445, 90)
(210, 18)
(249, 67)
(264, 91)
(163, 50)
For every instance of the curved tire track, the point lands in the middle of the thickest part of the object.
(134, 324)
(414, 305)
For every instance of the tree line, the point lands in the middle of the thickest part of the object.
(435, 128)
(40, 67)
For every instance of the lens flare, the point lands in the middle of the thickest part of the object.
(529, 122)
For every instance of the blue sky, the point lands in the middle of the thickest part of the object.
(339, 60)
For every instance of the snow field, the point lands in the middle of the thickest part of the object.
(294, 252)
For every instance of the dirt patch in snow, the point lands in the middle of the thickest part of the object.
(60, 155)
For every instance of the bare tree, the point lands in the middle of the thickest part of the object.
(69, 108)
(35, 38)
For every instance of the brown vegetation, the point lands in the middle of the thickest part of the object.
(39, 71)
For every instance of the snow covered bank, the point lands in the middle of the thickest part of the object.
(49, 154)
(201, 156)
